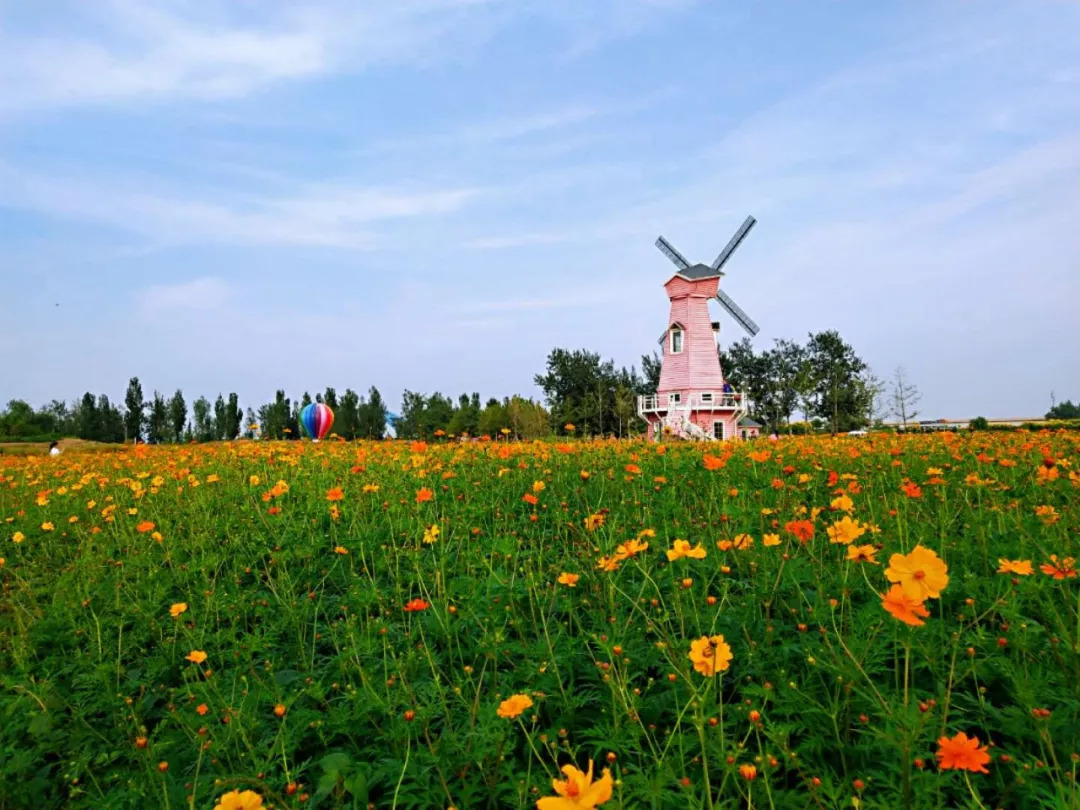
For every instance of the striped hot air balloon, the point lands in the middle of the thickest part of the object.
(316, 419)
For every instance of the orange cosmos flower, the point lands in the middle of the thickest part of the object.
(513, 706)
(240, 799)
(195, 656)
(911, 489)
(904, 607)
(921, 573)
(1019, 567)
(279, 710)
(177, 609)
(770, 540)
(865, 554)
(1066, 569)
(201, 709)
(340, 550)
(842, 503)
(608, 564)
(145, 526)
(962, 753)
(594, 522)
(681, 548)
(1048, 514)
(714, 462)
(415, 605)
(802, 529)
(578, 791)
(335, 494)
(748, 772)
(530, 499)
(569, 580)
(418, 447)
(710, 654)
(423, 495)
(538, 486)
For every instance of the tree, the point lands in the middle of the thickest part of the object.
(133, 416)
(87, 421)
(251, 423)
(204, 422)
(650, 373)
(177, 415)
(874, 388)
(904, 397)
(466, 418)
(1064, 410)
(839, 396)
(347, 414)
(330, 398)
(112, 425)
(157, 424)
(233, 418)
(493, 419)
(274, 417)
(526, 418)
(580, 389)
(221, 418)
(371, 416)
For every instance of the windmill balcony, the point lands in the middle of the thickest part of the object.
(698, 401)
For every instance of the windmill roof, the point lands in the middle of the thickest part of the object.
(696, 271)
(747, 422)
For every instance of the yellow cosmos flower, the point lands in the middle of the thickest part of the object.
(47, 526)
(710, 654)
(845, 531)
(681, 548)
(240, 799)
(18, 537)
(177, 609)
(569, 580)
(770, 540)
(921, 573)
(514, 706)
(578, 791)
(195, 656)
(1019, 567)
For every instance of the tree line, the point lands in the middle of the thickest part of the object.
(823, 380)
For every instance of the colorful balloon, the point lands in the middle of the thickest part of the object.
(316, 420)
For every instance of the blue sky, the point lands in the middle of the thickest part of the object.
(431, 194)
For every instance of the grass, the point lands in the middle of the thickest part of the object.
(365, 608)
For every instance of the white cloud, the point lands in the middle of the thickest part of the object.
(326, 215)
(158, 49)
(199, 295)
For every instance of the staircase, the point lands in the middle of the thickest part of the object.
(677, 421)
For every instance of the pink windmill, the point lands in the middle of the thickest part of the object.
(692, 400)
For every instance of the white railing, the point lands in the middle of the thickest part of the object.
(701, 401)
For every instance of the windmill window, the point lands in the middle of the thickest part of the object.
(706, 398)
(676, 339)
(718, 430)
(674, 399)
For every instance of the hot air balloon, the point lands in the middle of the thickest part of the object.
(316, 420)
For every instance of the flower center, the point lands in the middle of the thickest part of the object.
(572, 789)
(920, 574)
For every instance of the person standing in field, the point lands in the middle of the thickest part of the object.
(54, 449)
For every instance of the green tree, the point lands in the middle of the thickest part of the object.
(204, 421)
(133, 416)
(347, 415)
(177, 415)
(493, 419)
(112, 423)
(87, 421)
(371, 416)
(233, 418)
(1064, 410)
(580, 389)
(221, 418)
(840, 398)
(157, 423)
(274, 416)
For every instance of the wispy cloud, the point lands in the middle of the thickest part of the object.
(199, 295)
(327, 215)
(162, 50)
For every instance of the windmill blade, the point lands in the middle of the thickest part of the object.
(677, 258)
(663, 337)
(729, 248)
(736, 312)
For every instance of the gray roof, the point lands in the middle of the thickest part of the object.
(747, 422)
(698, 271)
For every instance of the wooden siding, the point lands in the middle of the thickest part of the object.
(696, 367)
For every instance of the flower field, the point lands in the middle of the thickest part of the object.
(875, 622)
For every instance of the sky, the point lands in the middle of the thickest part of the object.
(245, 195)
